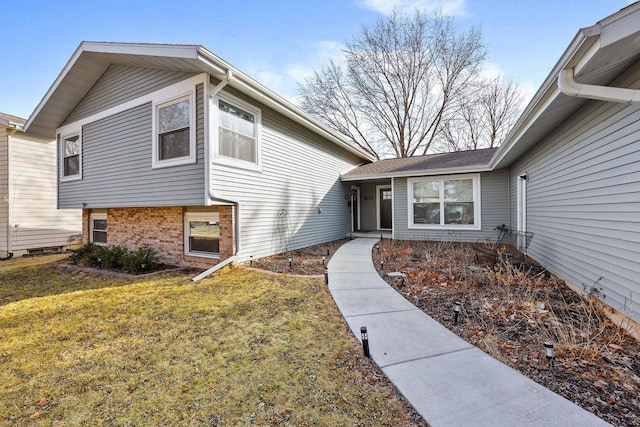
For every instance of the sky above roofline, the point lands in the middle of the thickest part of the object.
(279, 42)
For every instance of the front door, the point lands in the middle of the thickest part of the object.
(385, 215)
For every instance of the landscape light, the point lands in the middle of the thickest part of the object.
(326, 276)
(548, 346)
(382, 264)
(378, 249)
(250, 259)
(457, 304)
(323, 259)
(289, 261)
(327, 252)
(365, 341)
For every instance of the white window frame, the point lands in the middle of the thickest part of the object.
(477, 208)
(198, 216)
(185, 160)
(63, 137)
(215, 136)
(92, 217)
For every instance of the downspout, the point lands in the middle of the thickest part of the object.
(570, 87)
(213, 197)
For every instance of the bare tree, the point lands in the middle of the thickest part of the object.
(482, 118)
(400, 79)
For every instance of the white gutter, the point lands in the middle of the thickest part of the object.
(570, 87)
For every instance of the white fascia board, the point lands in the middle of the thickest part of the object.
(418, 173)
(144, 49)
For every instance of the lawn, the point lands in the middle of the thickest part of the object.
(240, 348)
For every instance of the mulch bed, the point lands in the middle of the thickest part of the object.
(508, 310)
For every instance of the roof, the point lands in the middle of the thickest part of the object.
(13, 121)
(432, 164)
(91, 60)
(598, 54)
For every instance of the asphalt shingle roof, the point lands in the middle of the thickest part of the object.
(404, 165)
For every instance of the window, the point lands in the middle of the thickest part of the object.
(202, 234)
(175, 136)
(445, 202)
(98, 228)
(238, 129)
(71, 150)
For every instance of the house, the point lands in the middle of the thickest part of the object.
(569, 171)
(171, 146)
(30, 223)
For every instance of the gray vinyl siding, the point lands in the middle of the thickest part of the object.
(583, 202)
(300, 176)
(120, 84)
(4, 190)
(494, 204)
(116, 165)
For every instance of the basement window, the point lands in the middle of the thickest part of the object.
(202, 234)
(98, 232)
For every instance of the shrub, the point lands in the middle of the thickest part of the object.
(88, 255)
(145, 258)
(112, 257)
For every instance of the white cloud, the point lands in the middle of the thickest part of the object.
(448, 7)
(284, 80)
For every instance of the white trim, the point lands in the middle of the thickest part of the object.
(214, 134)
(355, 226)
(165, 93)
(157, 105)
(198, 216)
(93, 216)
(378, 188)
(78, 176)
(393, 208)
(477, 203)
(521, 210)
(421, 172)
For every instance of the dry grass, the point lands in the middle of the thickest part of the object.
(242, 348)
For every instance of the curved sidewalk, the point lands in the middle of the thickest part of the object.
(448, 381)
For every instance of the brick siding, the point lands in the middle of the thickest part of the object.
(163, 229)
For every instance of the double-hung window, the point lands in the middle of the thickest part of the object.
(450, 202)
(98, 228)
(71, 149)
(238, 141)
(202, 234)
(174, 132)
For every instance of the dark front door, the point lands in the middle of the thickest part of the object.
(385, 208)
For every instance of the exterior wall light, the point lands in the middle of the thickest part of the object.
(457, 305)
(365, 341)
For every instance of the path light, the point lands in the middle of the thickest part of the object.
(456, 310)
(323, 259)
(327, 252)
(382, 264)
(378, 249)
(365, 341)
(380, 236)
(548, 346)
(326, 276)
(250, 259)
(289, 259)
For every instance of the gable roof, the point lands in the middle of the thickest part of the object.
(12, 121)
(91, 60)
(432, 164)
(597, 55)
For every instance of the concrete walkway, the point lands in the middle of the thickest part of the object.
(448, 381)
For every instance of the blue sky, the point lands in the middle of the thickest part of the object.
(277, 42)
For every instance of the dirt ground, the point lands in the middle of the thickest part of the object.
(508, 309)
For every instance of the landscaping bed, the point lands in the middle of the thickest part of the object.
(509, 311)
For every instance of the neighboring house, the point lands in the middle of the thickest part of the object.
(30, 223)
(569, 171)
(170, 146)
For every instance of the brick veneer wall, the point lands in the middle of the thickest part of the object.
(163, 229)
